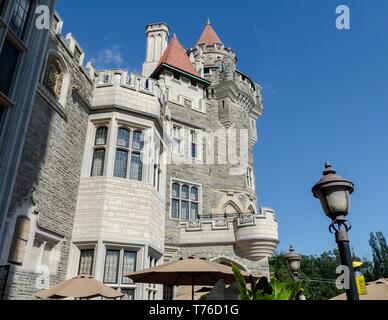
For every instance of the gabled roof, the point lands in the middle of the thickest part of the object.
(175, 58)
(209, 36)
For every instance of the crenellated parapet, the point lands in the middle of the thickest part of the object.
(254, 236)
(72, 46)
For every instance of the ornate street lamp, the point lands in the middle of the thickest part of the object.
(293, 259)
(334, 193)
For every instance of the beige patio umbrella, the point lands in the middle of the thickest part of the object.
(377, 290)
(191, 271)
(81, 287)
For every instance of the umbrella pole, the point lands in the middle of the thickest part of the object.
(192, 288)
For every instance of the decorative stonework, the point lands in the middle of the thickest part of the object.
(54, 76)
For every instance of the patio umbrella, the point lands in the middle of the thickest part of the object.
(82, 287)
(191, 271)
(377, 290)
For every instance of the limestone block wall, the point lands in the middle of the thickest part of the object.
(119, 210)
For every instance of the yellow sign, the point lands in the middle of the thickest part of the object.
(361, 285)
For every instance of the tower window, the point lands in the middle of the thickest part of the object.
(130, 145)
(99, 151)
(250, 180)
(194, 144)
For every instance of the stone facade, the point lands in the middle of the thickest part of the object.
(121, 172)
(47, 183)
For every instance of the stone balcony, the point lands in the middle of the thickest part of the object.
(255, 237)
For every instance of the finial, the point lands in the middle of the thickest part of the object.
(328, 169)
(208, 21)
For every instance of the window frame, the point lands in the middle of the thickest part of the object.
(178, 138)
(119, 283)
(92, 263)
(99, 147)
(250, 179)
(131, 150)
(180, 200)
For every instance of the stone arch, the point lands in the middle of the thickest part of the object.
(228, 261)
(231, 208)
(56, 76)
(251, 209)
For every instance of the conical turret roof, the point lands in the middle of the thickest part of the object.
(209, 36)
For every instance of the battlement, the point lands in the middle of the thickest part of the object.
(71, 44)
(119, 88)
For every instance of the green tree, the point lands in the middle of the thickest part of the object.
(384, 252)
(378, 261)
(317, 274)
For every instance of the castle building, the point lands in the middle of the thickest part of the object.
(121, 172)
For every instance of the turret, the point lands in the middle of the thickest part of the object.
(157, 40)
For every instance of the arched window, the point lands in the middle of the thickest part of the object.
(184, 202)
(54, 76)
(99, 151)
(19, 241)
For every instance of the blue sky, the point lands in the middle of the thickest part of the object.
(325, 94)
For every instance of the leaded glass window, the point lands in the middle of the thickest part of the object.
(98, 162)
(136, 172)
(123, 137)
(121, 164)
(86, 262)
(19, 16)
(101, 136)
(129, 266)
(111, 271)
(128, 162)
(184, 201)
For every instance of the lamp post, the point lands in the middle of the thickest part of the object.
(334, 193)
(294, 259)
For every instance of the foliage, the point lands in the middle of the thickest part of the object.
(380, 255)
(317, 274)
(278, 289)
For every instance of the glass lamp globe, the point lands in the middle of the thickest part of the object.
(333, 192)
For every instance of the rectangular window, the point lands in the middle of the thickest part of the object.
(129, 266)
(111, 271)
(138, 140)
(19, 16)
(129, 294)
(9, 57)
(194, 144)
(98, 162)
(177, 139)
(175, 209)
(86, 262)
(250, 181)
(121, 164)
(168, 293)
(136, 172)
